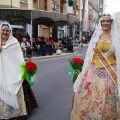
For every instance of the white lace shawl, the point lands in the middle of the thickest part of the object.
(90, 52)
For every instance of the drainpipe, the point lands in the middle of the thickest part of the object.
(11, 3)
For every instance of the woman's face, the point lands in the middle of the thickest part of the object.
(5, 32)
(106, 23)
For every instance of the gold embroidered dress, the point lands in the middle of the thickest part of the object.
(97, 98)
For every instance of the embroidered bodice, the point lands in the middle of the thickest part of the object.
(104, 47)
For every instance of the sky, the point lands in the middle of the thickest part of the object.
(112, 6)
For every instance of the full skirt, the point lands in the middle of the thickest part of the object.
(97, 97)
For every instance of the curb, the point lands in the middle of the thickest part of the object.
(52, 56)
(55, 55)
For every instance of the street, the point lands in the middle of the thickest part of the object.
(53, 88)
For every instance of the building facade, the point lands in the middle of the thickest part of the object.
(49, 18)
(102, 6)
(93, 14)
(43, 23)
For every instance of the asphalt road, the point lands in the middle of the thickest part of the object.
(53, 88)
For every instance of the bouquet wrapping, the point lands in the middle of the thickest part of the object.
(29, 70)
(76, 65)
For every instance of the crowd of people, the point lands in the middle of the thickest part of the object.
(43, 46)
(39, 47)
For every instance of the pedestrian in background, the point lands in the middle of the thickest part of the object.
(16, 97)
(26, 47)
(97, 88)
(27, 37)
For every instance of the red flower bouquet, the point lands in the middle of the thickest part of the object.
(76, 65)
(29, 69)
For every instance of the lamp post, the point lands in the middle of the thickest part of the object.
(82, 14)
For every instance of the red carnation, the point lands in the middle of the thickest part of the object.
(31, 66)
(77, 60)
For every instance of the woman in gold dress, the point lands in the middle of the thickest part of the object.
(97, 86)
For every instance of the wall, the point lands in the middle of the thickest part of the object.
(49, 5)
(9, 3)
(30, 4)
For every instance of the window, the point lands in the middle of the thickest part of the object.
(45, 2)
(54, 6)
(61, 9)
(24, 1)
(100, 6)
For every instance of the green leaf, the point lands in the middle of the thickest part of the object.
(74, 77)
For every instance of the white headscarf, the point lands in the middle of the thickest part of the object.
(90, 52)
(11, 57)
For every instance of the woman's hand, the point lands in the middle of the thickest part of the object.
(77, 71)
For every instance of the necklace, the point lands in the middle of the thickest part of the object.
(106, 37)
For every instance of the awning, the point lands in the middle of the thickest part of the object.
(39, 16)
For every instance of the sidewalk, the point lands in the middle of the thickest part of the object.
(55, 55)
(50, 56)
